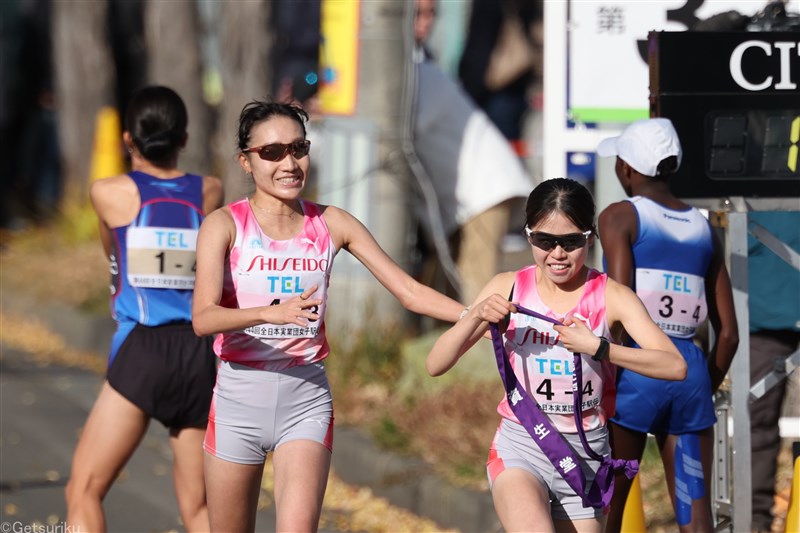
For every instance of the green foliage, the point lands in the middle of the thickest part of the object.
(389, 435)
(367, 355)
(77, 223)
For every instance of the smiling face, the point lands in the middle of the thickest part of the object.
(557, 265)
(283, 180)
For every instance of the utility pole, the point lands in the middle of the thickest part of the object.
(363, 167)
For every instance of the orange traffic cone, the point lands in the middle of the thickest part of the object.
(633, 515)
(107, 156)
(793, 514)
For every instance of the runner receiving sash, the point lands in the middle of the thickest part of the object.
(542, 465)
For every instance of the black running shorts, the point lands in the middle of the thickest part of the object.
(168, 372)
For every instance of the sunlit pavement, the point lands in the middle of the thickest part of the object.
(46, 392)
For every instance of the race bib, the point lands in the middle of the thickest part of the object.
(551, 367)
(675, 300)
(161, 258)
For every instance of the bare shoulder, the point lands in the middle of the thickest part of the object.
(344, 227)
(212, 184)
(617, 213)
(334, 215)
(112, 186)
(619, 297)
(213, 194)
(220, 219)
(618, 290)
(501, 283)
(116, 199)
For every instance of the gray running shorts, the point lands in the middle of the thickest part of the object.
(513, 447)
(254, 411)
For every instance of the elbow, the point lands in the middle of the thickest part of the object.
(200, 329)
(433, 370)
(730, 339)
(680, 370)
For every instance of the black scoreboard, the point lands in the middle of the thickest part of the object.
(734, 98)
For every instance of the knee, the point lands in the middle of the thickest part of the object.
(73, 493)
(78, 490)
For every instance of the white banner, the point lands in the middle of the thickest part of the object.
(608, 72)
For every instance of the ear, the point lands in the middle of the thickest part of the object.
(244, 162)
(627, 170)
(127, 140)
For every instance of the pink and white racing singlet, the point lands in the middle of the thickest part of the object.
(263, 271)
(545, 367)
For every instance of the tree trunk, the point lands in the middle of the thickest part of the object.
(173, 45)
(246, 75)
(84, 72)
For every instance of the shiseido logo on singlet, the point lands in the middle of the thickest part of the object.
(534, 336)
(293, 264)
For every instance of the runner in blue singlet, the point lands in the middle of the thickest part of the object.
(157, 368)
(667, 252)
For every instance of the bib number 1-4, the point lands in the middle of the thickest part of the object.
(161, 258)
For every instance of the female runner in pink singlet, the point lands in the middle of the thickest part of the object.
(528, 488)
(263, 268)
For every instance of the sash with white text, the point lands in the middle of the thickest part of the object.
(551, 442)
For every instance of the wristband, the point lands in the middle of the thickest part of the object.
(602, 350)
(464, 312)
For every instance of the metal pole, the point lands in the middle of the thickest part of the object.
(740, 375)
(365, 168)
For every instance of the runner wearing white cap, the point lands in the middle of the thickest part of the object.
(667, 252)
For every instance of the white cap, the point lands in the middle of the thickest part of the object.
(644, 144)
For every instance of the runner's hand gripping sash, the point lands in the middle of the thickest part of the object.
(538, 425)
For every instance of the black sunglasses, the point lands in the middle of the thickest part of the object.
(568, 242)
(277, 151)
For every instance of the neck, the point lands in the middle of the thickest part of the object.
(656, 190)
(276, 208)
(159, 171)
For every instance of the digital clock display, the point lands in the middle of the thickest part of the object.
(736, 108)
(744, 143)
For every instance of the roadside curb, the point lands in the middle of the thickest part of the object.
(406, 482)
(410, 483)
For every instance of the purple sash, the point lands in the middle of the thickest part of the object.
(557, 450)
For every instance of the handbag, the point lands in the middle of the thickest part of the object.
(512, 56)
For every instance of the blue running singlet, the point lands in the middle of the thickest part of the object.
(153, 258)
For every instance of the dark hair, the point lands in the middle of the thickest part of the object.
(561, 195)
(667, 167)
(156, 120)
(256, 111)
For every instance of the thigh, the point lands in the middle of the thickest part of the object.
(232, 494)
(513, 449)
(242, 415)
(306, 407)
(692, 402)
(110, 436)
(522, 501)
(301, 474)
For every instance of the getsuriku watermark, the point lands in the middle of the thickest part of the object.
(20, 527)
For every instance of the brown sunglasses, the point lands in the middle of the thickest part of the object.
(277, 151)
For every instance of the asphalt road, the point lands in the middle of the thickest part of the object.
(42, 409)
